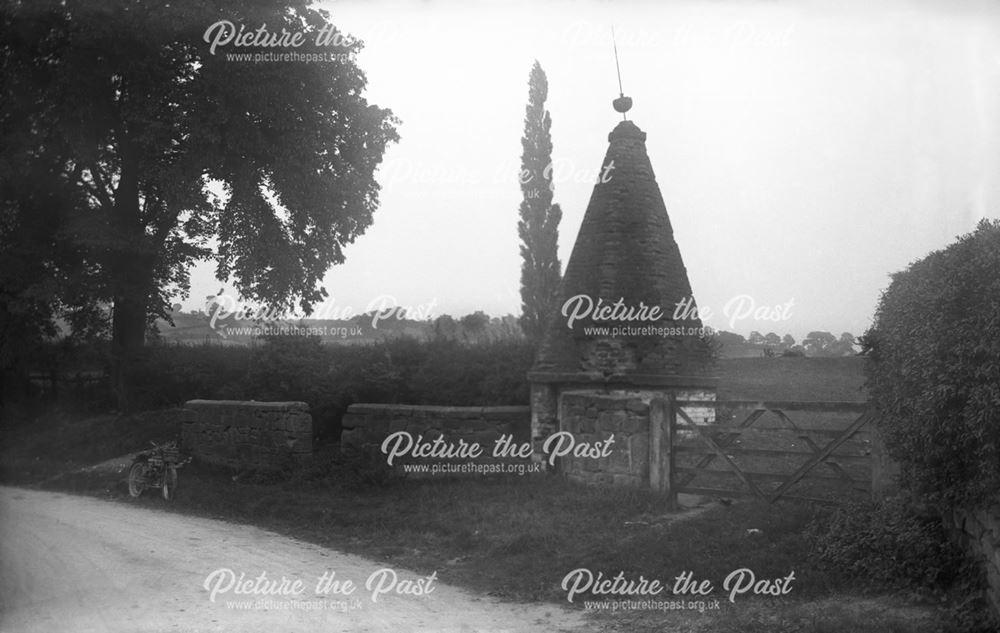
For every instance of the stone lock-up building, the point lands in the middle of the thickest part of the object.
(607, 354)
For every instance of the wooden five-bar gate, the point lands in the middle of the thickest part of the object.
(761, 449)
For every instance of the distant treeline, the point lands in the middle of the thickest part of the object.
(370, 327)
(477, 327)
(816, 343)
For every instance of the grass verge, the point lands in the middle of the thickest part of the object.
(514, 538)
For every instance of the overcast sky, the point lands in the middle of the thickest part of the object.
(805, 151)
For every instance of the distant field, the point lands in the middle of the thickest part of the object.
(793, 378)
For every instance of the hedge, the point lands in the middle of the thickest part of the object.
(934, 370)
(331, 377)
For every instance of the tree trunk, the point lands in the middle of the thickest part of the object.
(127, 341)
(131, 273)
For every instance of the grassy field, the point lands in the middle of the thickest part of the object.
(515, 538)
(840, 379)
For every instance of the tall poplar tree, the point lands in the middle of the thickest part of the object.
(539, 222)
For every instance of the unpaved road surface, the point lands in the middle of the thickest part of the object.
(78, 564)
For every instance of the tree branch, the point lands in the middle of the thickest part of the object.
(99, 189)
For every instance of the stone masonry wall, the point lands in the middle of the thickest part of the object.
(591, 418)
(261, 435)
(979, 531)
(544, 416)
(546, 398)
(367, 425)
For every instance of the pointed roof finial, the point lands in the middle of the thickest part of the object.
(622, 104)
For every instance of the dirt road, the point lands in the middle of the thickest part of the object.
(79, 564)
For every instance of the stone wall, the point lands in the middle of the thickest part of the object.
(979, 532)
(260, 435)
(365, 426)
(548, 388)
(593, 417)
(544, 416)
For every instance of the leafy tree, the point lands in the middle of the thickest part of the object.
(507, 328)
(165, 153)
(818, 343)
(538, 226)
(772, 339)
(756, 338)
(730, 338)
(475, 321)
(474, 325)
(445, 327)
(788, 341)
(845, 344)
(28, 291)
(43, 273)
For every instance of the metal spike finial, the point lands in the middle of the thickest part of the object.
(622, 104)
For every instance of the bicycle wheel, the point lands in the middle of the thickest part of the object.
(136, 479)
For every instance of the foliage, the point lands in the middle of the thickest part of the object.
(826, 344)
(42, 441)
(538, 226)
(816, 344)
(933, 369)
(892, 545)
(729, 338)
(41, 268)
(171, 375)
(476, 327)
(158, 146)
(332, 377)
(887, 545)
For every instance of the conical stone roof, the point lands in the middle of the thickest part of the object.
(626, 256)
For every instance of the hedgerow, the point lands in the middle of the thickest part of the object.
(331, 377)
(934, 370)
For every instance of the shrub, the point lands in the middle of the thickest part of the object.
(934, 370)
(487, 374)
(890, 545)
(887, 545)
(332, 377)
(168, 375)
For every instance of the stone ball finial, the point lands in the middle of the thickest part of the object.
(622, 104)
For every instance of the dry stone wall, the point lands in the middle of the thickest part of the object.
(979, 532)
(366, 426)
(580, 449)
(247, 434)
